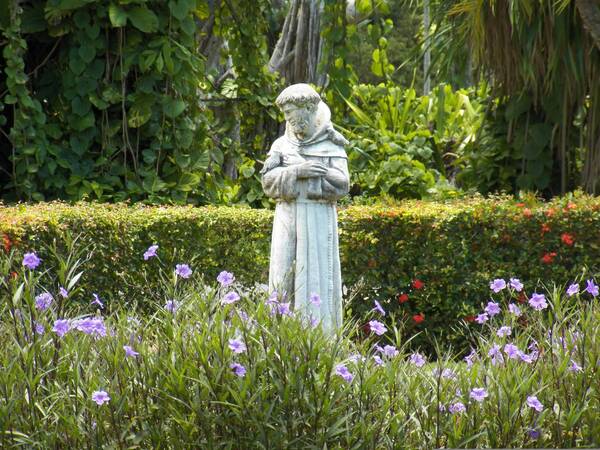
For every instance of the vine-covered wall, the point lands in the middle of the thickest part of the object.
(114, 101)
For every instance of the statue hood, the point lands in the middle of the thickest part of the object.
(323, 131)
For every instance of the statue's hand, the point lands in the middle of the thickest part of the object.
(311, 169)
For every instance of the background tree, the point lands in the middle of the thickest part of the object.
(543, 61)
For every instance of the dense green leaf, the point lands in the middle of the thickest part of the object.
(143, 19)
(118, 16)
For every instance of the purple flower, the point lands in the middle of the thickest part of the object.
(417, 359)
(512, 351)
(97, 301)
(527, 358)
(574, 367)
(516, 284)
(449, 374)
(91, 325)
(133, 321)
(533, 345)
(172, 306)
(150, 252)
(230, 297)
(534, 434)
(470, 357)
(237, 345)
(183, 270)
(355, 358)
(591, 288)
(378, 308)
(39, 328)
(243, 315)
(496, 355)
(378, 360)
(100, 397)
(238, 369)
(315, 299)
(504, 331)
(225, 278)
(129, 351)
(538, 301)
(31, 260)
(492, 309)
(63, 292)
(481, 318)
(457, 408)
(61, 327)
(273, 298)
(533, 402)
(343, 372)
(377, 327)
(497, 285)
(390, 351)
(314, 322)
(573, 289)
(43, 301)
(478, 394)
(284, 309)
(514, 309)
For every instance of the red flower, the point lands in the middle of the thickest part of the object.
(522, 297)
(545, 228)
(567, 239)
(571, 206)
(6, 242)
(527, 212)
(470, 318)
(550, 212)
(14, 275)
(520, 205)
(402, 298)
(418, 318)
(548, 257)
(418, 284)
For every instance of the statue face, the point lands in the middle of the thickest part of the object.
(300, 118)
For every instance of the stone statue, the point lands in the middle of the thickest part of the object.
(306, 172)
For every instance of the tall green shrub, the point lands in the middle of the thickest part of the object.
(454, 249)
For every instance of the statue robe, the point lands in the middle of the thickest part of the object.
(304, 246)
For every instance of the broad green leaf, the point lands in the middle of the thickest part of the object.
(118, 16)
(138, 115)
(143, 19)
(173, 107)
(188, 181)
(87, 52)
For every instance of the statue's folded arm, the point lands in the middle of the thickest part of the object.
(281, 183)
(337, 180)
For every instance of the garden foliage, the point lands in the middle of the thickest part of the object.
(114, 100)
(427, 262)
(220, 365)
(409, 146)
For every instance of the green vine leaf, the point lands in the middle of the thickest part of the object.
(117, 15)
(143, 19)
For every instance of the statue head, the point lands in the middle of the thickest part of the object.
(299, 103)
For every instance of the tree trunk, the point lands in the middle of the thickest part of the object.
(298, 51)
(589, 11)
(226, 112)
(427, 55)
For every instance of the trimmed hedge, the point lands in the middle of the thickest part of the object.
(454, 248)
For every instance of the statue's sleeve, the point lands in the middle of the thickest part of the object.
(336, 183)
(280, 182)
